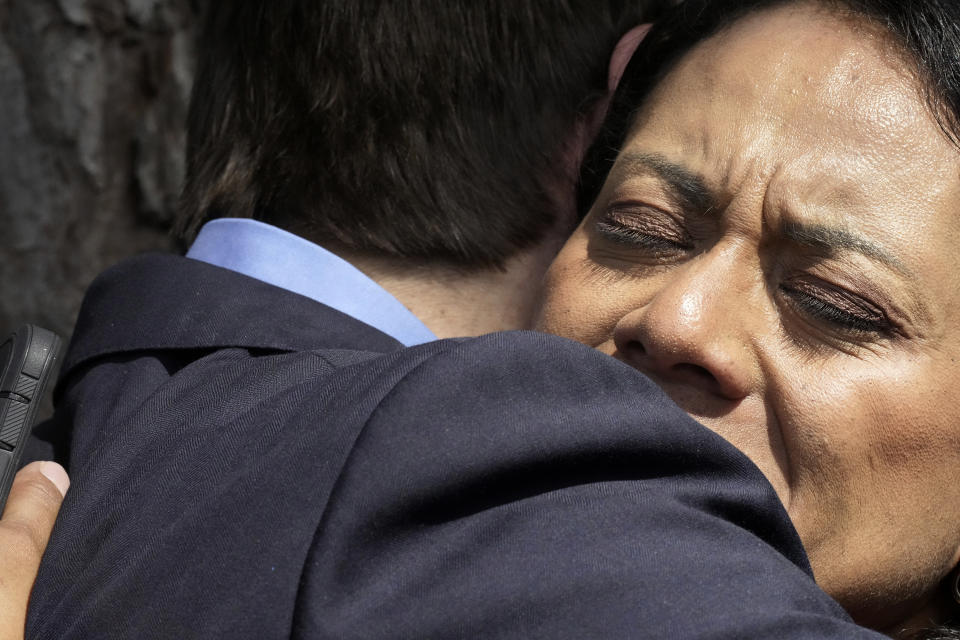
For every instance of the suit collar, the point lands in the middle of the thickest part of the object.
(285, 260)
(158, 301)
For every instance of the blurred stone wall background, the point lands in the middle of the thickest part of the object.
(93, 101)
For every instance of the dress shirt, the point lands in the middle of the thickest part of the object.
(285, 260)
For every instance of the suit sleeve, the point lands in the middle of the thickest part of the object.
(521, 486)
(516, 485)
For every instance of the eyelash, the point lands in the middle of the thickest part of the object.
(621, 233)
(819, 308)
(872, 320)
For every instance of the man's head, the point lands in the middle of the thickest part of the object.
(440, 132)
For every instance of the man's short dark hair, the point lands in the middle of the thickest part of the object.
(415, 129)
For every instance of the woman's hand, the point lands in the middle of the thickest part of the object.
(28, 518)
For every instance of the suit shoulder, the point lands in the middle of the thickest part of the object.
(527, 365)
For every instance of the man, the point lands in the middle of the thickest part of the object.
(412, 169)
(259, 456)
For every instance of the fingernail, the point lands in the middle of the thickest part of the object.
(55, 474)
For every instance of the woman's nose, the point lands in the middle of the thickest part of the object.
(694, 331)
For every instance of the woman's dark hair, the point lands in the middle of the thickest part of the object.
(927, 32)
(407, 129)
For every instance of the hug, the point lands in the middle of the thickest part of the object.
(726, 240)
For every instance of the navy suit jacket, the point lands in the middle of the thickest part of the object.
(247, 463)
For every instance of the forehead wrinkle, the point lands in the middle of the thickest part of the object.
(769, 134)
(873, 165)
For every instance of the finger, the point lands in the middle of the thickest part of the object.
(32, 506)
(34, 501)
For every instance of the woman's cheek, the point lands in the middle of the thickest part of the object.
(576, 301)
(589, 320)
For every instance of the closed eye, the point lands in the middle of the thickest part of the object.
(839, 308)
(636, 238)
(643, 227)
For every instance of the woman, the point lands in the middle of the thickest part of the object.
(774, 244)
(756, 248)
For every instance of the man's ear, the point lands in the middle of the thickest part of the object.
(588, 124)
(623, 52)
(619, 60)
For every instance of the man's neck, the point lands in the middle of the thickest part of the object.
(454, 304)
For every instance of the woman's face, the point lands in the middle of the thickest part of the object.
(778, 246)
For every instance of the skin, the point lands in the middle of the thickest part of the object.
(776, 246)
(28, 518)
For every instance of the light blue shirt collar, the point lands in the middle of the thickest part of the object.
(285, 260)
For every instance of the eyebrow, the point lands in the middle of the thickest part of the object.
(835, 240)
(686, 185)
(692, 189)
